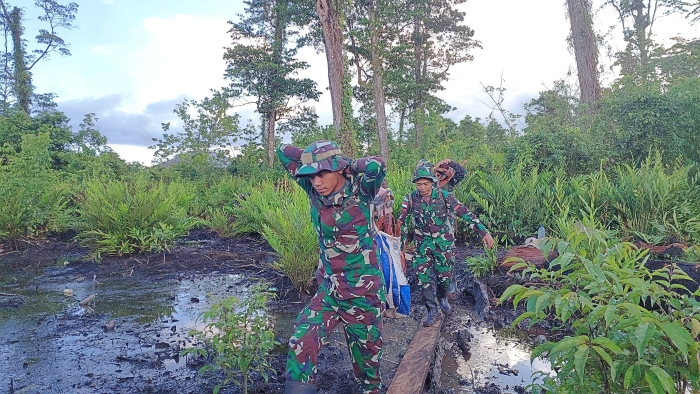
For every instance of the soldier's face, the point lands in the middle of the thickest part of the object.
(327, 182)
(424, 186)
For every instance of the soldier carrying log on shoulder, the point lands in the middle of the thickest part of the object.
(432, 212)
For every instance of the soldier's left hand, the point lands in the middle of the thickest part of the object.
(488, 241)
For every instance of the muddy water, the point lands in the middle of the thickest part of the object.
(480, 355)
(49, 343)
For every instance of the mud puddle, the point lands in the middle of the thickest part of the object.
(481, 359)
(127, 339)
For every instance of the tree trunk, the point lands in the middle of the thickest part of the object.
(585, 50)
(23, 79)
(271, 156)
(418, 103)
(346, 137)
(333, 42)
(377, 83)
(402, 121)
(640, 25)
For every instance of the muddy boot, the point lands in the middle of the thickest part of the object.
(442, 300)
(293, 387)
(431, 305)
(452, 290)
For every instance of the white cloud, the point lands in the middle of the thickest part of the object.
(130, 153)
(525, 48)
(182, 55)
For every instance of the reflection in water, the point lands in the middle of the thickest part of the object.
(498, 357)
(152, 323)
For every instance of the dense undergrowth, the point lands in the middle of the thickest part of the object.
(630, 329)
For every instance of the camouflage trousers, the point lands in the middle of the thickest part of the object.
(363, 334)
(433, 254)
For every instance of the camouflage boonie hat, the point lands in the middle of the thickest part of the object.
(424, 169)
(319, 156)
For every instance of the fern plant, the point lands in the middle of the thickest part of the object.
(139, 215)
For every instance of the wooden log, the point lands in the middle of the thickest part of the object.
(109, 326)
(88, 299)
(529, 254)
(413, 370)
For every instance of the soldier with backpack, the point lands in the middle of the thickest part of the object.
(431, 224)
(350, 288)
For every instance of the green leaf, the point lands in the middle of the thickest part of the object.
(664, 378)
(605, 356)
(539, 350)
(541, 301)
(643, 335)
(609, 313)
(580, 358)
(528, 293)
(632, 375)
(695, 324)
(566, 344)
(510, 291)
(608, 344)
(679, 336)
(522, 317)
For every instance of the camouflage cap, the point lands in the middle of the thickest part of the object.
(321, 155)
(424, 169)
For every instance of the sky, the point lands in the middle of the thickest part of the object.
(134, 60)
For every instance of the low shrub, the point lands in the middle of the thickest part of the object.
(280, 213)
(138, 215)
(632, 329)
(485, 265)
(32, 201)
(240, 336)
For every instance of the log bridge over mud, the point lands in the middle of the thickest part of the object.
(413, 370)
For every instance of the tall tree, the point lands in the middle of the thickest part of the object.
(54, 17)
(637, 19)
(262, 65)
(378, 77)
(330, 16)
(366, 35)
(585, 46)
(211, 131)
(429, 39)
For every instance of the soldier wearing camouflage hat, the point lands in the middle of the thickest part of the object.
(432, 227)
(350, 288)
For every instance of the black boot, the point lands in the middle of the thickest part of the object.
(442, 299)
(293, 387)
(452, 289)
(431, 305)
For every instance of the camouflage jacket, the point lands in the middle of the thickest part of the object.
(433, 218)
(348, 265)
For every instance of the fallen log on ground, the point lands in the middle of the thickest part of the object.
(88, 299)
(411, 374)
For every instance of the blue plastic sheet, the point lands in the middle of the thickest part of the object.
(396, 285)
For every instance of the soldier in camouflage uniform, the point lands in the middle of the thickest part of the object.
(349, 276)
(430, 209)
(449, 173)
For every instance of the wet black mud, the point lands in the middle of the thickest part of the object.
(129, 337)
